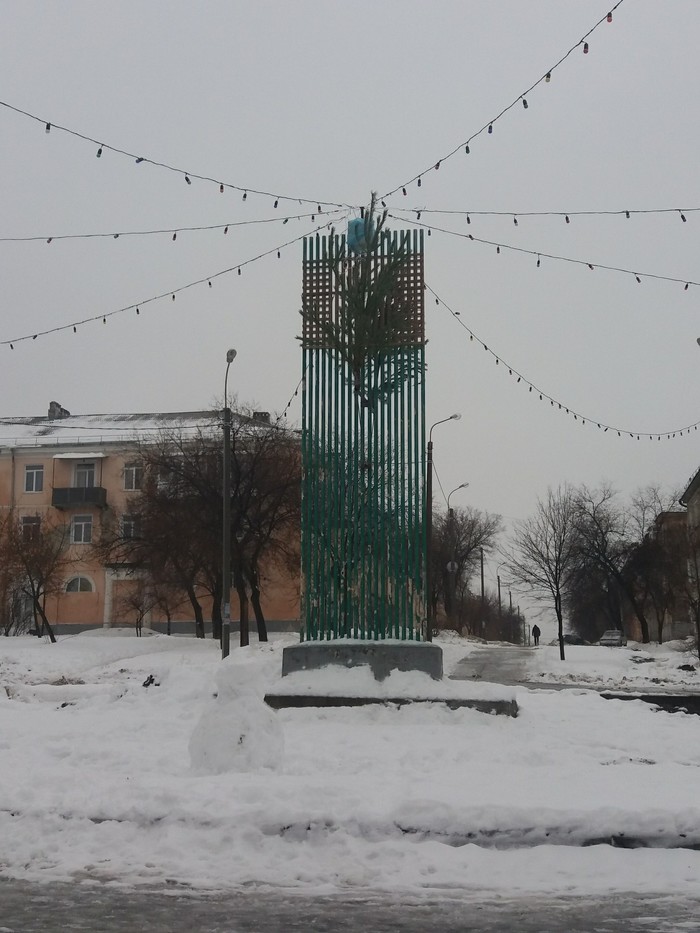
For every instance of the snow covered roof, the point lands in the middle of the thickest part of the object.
(78, 430)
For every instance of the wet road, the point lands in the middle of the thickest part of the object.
(64, 908)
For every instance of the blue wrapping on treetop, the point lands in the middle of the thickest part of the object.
(357, 235)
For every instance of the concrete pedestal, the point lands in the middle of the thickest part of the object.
(381, 656)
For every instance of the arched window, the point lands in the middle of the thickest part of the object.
(79, 585)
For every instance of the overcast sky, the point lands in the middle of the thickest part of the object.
(328, 101)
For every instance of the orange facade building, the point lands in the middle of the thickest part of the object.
(76, 471)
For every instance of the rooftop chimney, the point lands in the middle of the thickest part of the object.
(57, 411)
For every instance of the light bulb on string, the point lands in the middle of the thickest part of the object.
(188, 179)
(115, 236)
(137, 311)
(49, 239)
(469, 220)
(245, 195)
(225, 229)
(286, 220)
(209, 284)
(525, 104)
(139, 160)
(278, 254)
(239, 270)
(627, 215)
(173, 296)
(99, 153)
(639, 281)
(515, 221)
(174, 237)
(403, 191)
(419, 182)
(498, 250)
(609, 17)
(538, 262)
(75, 329)
(221, 189)
(12, 346)
(683, 217)
(490, 127)
(467, 150)
(687, 285)
(590, 266)
(48, 130)
(566, 218)
(548, 77)
(585, 48)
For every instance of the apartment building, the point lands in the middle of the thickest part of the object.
(77, 470)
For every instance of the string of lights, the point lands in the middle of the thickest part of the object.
(187, 175)
(565, 215)
(295, 393)
(167, 294)
(546, 397)
(521, 99)
(170, 231)
(540, 255)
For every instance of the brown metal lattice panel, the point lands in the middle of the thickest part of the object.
(323, 275)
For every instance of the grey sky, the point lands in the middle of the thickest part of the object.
(329, 100)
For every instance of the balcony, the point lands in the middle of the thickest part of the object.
(70, 497)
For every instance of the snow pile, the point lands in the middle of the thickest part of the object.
(671, 667)
(150, 760)
(237, 731)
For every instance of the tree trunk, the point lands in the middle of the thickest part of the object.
(45, 625)
(560, 625)
(198, 614)
(216, 612)
(257, 608)
(239, 583)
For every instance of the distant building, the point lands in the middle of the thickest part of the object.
(82, 467)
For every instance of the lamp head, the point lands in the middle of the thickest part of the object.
(456, 417)
(230, 356)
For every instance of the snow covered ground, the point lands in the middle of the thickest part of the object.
(146, 761)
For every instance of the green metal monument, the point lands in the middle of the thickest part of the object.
(363, 527)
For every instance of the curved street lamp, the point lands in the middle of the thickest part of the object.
(429, 526)
(226, 496)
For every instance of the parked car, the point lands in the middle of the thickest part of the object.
(571, 638)
(613, 638)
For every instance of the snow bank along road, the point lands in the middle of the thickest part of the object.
(101, 780)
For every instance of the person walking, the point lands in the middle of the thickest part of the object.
(536, 634)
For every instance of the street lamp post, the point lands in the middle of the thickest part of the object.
(452, 567)
(226, 548)
(429, 527)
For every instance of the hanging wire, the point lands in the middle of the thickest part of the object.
(488, 126)
(539, 254)
(186, 174)
(170, 293)
(554, 402)
(564, 214)
(168, 230)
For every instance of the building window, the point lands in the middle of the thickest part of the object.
(79, 585)
(133, 476)
(30, 527)
(34, 477)
(81, 529)
(85, 475)
(130, 526)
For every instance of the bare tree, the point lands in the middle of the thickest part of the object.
(458, 539)
(544, 552)
(606, 538)
(179, 515)
(35, 555)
